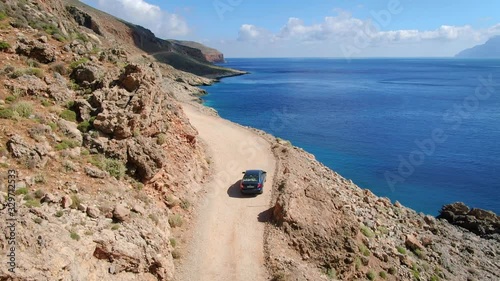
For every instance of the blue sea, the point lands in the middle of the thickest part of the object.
(424, 132)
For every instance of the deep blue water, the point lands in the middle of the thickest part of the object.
(362, 117)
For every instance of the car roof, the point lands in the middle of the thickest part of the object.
(252, 172)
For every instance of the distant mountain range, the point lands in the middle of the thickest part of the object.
(490, 49)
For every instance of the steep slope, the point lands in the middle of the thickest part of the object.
(187, 57)
(490, 49)
(210, 54)
(324, 227)
(105, 161)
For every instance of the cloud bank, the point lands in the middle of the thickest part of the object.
(161, 22)
(345, 28)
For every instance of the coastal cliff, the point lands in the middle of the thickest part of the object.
(490, 49)
(110, 173)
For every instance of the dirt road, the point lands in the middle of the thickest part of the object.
(228, 235)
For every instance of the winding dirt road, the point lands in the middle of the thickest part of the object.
(228, 236)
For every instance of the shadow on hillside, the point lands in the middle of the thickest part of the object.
(266, 215)
(234, 191)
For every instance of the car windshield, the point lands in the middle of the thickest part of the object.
(250, 177)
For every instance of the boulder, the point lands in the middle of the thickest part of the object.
(82, 207)
(31, 155)
(83, 109)
(413, 243)
(95, 172)
(481, 222)
(87, 75)
(35, 49)
(139, 209)
(66, 201)
(146, 158)
(93, 212)
(121, 213)
(28, 85)
(70, 130)
(49, 198)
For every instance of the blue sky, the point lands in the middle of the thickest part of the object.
(317, 28)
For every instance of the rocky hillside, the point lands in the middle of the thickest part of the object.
(210, 54)
(323, 227)
(106, 162)
(108, 169)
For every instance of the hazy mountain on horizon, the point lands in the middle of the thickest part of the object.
(490, 49)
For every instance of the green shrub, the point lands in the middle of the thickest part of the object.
(6, 113)
(46, 103)
(416, 275)
(84, 152)
(367, 231)
(357, 263)
(175, 220)
(59, 214)
(39, 194)
(50, 28)
(383, 275)
(383, 230)
(173, 242)
(176, 254)
(401, 250)
(74, 236)
(10, 99)
(3, 15)
(419, 253)
(154, 218)
(70, 104)
(8, 69)
(53, 126)
(69, 166)
(161, 139)
(32, 203)
(16, 73)
(138, 185)
(115, 226)
(59, 37)
(392, 270)
(4, 46)
(77, 63)
(22, 190)
(32, 63)
(84, 126)
(68, 115)
(75, 201)
(37, 220)
(27, 197)
(65, 144)
(185, 204)
(331, 273)
(370, 275)
(59, 68)
(24, 109)
(434, 278)
(73, 86)
(364, 250)
(34, 71)
(115, 168)
(39, 179)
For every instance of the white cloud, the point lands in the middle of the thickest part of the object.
(345, 28)
(161, 22)
(248, 32)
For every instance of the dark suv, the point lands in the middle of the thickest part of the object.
(253, 182)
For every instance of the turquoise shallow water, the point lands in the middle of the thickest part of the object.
(414, 130)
